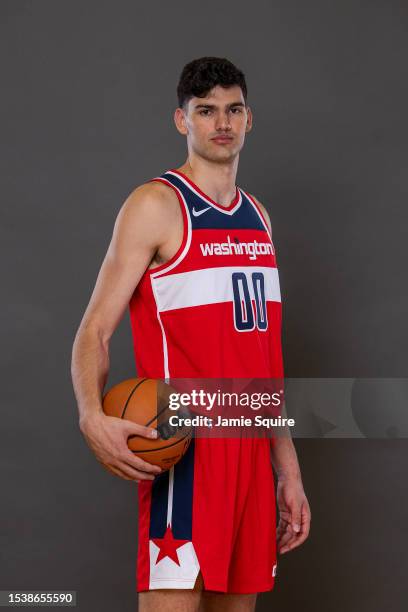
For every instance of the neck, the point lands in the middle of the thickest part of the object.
(215, 179)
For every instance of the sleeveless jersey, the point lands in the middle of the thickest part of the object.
(213, 309)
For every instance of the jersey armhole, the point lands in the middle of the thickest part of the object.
(179, 254)
(260, 213)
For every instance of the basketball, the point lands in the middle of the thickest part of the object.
(145, 401)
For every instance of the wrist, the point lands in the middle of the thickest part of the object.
(90, 417)
(289, 475)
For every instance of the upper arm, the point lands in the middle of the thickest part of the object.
(264, 212)
(141, 226)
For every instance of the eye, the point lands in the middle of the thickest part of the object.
(205, 112)
(236, 109)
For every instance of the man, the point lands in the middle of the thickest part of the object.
(203, 304)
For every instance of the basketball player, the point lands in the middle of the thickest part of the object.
(207, 531)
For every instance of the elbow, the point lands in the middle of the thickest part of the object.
(89, 332)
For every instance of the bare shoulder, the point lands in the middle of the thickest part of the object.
(147, 219)
(148, 215)
(264, 211)
(153, 201)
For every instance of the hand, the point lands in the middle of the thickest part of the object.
(294, 514)
(107, 437)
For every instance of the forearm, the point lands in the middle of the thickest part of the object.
(89, 370)
(283, 453)
(284, 458)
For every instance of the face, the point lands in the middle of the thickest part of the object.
(216, 125)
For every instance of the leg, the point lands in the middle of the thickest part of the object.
(172, 600)
(227, 602)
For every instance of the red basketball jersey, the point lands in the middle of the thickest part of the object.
(214, 309)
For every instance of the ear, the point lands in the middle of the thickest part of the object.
(180, 121)
(249, 120)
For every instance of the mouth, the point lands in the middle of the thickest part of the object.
(222, 139)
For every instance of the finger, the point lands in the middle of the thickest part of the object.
(290, 536)
(299, 540)
(283, 524)
(296, 518)
(292, 539)
(292, 545)
(281, 529)
(134, 429)
(284, 539)
(289, 546)
(286, 543)
(306, 520)
(140, 464)
(283, 550)
(306, 514)
(134, 474)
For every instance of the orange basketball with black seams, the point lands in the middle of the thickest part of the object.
(145, 401)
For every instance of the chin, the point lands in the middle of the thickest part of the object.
(219, 156)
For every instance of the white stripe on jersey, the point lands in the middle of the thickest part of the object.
(209, 286)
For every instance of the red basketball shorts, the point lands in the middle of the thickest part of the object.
(213, 512)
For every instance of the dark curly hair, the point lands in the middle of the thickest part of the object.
(201, 75)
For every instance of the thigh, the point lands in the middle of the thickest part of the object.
(227, 602)
(172, 600)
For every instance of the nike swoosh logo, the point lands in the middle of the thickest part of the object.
(197, 213)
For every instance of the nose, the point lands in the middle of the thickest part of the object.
(223, 122)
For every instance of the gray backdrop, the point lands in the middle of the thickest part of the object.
(87, 97)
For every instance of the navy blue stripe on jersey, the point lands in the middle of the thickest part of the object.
(182, 520)
(158, 508)
(245, 217)
(182, 512)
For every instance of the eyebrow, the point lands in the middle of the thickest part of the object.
(212, 106)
